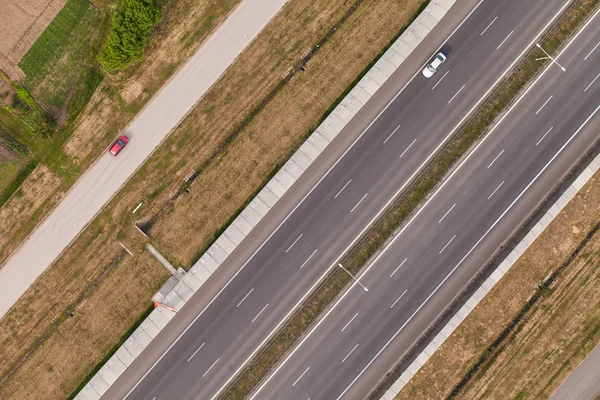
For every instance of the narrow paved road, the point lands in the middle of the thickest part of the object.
(584, 382)
(150, 127)
(227, 331)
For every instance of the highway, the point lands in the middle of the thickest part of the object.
(231, 327)
(97, 186)
(459, 228)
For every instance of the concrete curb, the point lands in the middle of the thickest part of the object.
(193, 280)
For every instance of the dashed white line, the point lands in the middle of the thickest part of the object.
(590, 53)
(438, 82)
(447, 244)
(398, 267)
(345, 326)
(588, 86)
(398, 299)
(308, 259)
(495, 190)
(201, 346)
(240, 303)
(300, 377)
(447, 212)
(459, 90)
(360, 201)
(542, 138)
(211, 367)
(261, 311)
(298, 239)
(391, 134)
(494, 160)
(409, 146)
(351, 351)
(338, 193)
(544, 105)
(505, 39)
(488, 27)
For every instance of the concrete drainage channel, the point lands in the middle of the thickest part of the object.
(181, 285)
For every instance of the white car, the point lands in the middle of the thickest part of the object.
(434, 65)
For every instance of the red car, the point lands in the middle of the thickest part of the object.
(118, 146)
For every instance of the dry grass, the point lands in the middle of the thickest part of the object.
(527, 370)
(289, 116)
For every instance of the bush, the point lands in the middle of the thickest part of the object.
(132, 24)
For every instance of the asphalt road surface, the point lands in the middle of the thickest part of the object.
(231, 327)
(148, 129)
(584, 382)
(460, 227)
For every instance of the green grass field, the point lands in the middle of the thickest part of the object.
(59, 66)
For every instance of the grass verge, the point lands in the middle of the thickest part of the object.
(408, 202)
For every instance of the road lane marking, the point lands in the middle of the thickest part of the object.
(300, 377)
(298, 238)
(447, 244)
(360, 201)
(201, 346)
(494, 160)
(308, 259)
(505, 39)
(345, 326)
(438, 82)
(398, 267)
(447, 212)
(338, 193)
(590, 53)
(351, 351)
(459, 90)
(409, 146)
(495, 190)
(588, 86)
(388, 138)
(261, 311)
(542, 138)
(251, 290)
(488, 27)
(211, 367)
(544, 105)
(398, 299)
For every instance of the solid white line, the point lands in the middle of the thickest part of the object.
(398, 267)
(542, 138)
(360, 201)
(494, 192)
(590, 53)
(296, 240)
(459, 90)
(266, 381)
(494, 160)
(409, 146)
(251, 290)
(596, 78)
(447, 244)
(351, 351)
(505, 39)
(472, 248)
(300, 377)
(308, 259)
(338, 193)
(398, 299)
(447, 212)
(211, 367)
(258, 315)
(488, 27)
(345, 326)
(388, 138)
(544, 105)
(438, 82)
(201, 346)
